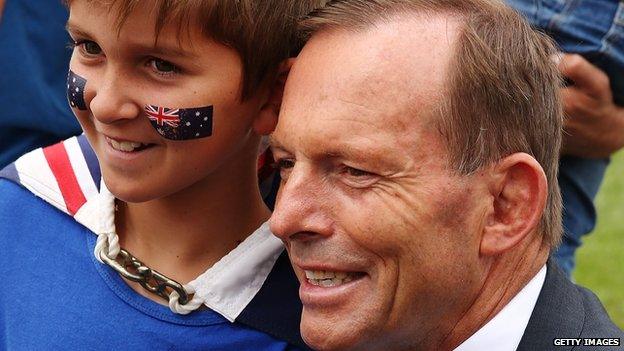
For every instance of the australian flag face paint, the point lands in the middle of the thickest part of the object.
(75, 91)
(172, 124)
(182, 123)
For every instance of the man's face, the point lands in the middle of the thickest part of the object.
(381, 233)
(125, 71)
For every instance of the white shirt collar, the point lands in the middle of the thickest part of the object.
(230, 284)
(505, 330)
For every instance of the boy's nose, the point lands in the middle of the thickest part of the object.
(111, 100)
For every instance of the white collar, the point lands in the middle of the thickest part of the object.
(230, 284)
(505, 330)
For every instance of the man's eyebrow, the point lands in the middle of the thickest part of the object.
(274, 143)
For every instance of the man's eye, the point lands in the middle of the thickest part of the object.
(284, 166)
(162, 66)
(285, 163)
(357, 178)
(354, 172)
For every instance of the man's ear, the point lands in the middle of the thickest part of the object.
(267, 118)
(518, 188)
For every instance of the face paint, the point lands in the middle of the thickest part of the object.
(75, 91)
(181, 124)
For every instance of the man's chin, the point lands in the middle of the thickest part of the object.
(328, 333)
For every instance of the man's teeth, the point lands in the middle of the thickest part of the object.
(126, 146)
(328, 278)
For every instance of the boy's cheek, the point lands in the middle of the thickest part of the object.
(181, 123)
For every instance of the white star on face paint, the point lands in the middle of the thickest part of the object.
(188, 124)
(197, 113)
(77, 90)
(196, 134)
(205, 118)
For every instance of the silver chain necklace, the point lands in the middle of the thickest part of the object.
(181, 298)
(151, 280)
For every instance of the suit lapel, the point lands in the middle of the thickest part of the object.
(558, 313)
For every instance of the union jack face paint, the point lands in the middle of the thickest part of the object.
(182, 123)
(75, 91)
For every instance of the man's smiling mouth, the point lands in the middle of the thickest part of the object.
(330, 278)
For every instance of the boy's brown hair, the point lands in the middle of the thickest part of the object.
(262, 32)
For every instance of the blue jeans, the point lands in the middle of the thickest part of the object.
(594, 29)
(579, 180)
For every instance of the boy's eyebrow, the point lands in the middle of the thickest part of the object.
(159, 49)
(164, 49)
(72, 29)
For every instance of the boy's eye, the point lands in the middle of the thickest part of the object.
(91, 47)
(163, 66)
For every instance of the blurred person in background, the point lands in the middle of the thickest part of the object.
(591, 32)
(34, 56)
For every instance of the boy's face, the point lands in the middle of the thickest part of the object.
(125, 72)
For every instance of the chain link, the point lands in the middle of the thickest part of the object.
(134, 270)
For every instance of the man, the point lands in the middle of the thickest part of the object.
(418, 145)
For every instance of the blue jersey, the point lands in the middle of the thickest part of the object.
(59, 296)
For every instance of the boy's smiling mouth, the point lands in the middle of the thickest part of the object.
(126, 145)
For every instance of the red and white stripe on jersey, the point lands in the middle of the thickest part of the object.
(59, 174)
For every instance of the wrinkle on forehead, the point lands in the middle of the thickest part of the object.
(357, 104)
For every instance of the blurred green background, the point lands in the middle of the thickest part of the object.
(600, 261)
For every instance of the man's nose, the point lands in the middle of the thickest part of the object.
(111, 99)
(301, 211)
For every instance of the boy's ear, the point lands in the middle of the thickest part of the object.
(267, 118)
(518, 190)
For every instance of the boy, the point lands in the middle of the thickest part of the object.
(173, 98)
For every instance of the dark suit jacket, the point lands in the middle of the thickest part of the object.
(565, 310)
